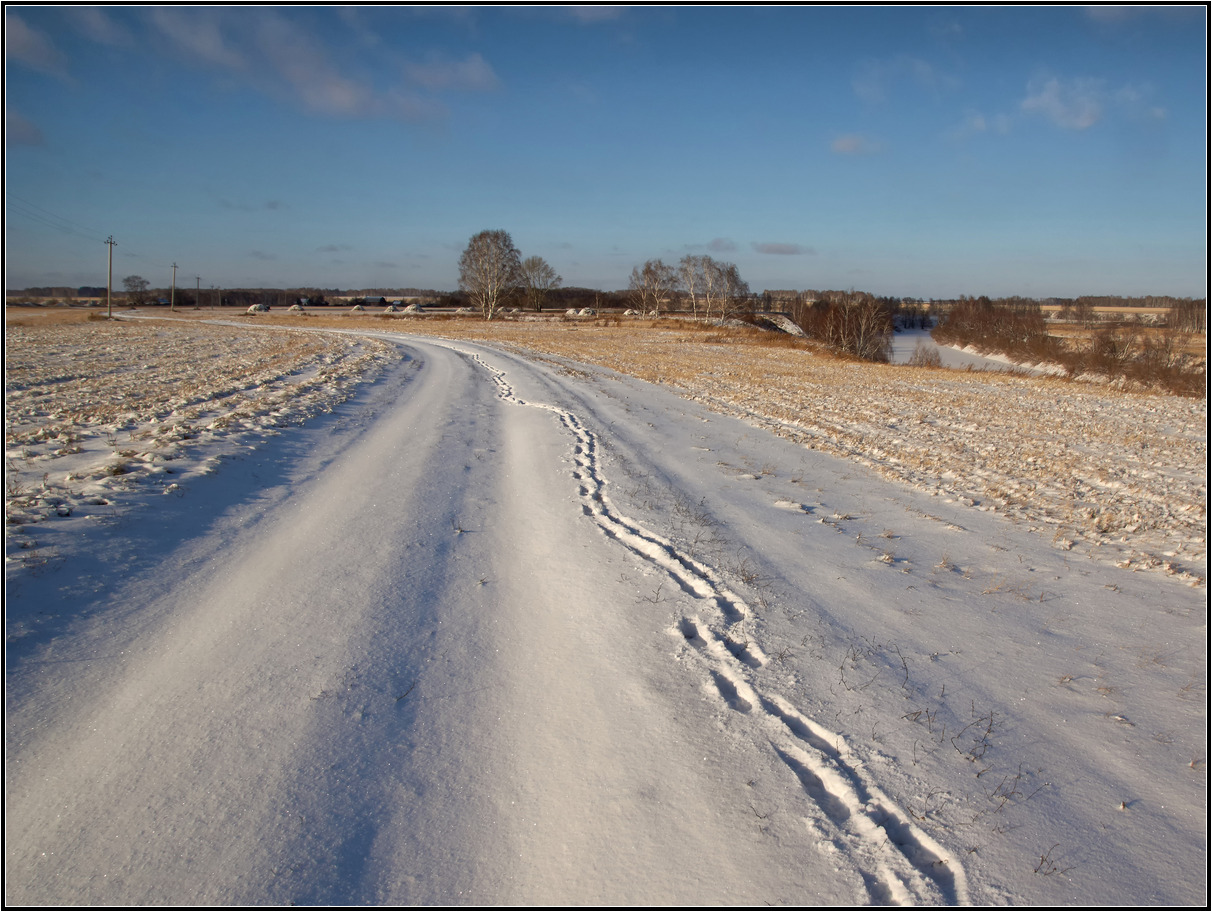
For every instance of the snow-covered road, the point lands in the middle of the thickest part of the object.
(502, 632)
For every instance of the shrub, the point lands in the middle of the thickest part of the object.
(925, 356)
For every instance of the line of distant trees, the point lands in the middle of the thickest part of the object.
(1123, 348)
(556, 299)
(706, 287)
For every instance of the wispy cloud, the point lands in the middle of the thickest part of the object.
(28, 46)
(333, 248)
(782, 249)
(875, 80)
(854, 144)
(976, 123)
(722, 245)
(1111, 13)
(306, 68)
(588, 15)
(1075, 104)
(198, 33)
(1078, 103)
(95, 23)
(948, 31)
(20, 132)
(471, 74)
(262, 255)
(353, 19)
(1137, 103)
(278, 56)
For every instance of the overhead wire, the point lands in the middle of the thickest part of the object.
(34, 212)
(46, 217)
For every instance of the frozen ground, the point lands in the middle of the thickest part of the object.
(497, 630)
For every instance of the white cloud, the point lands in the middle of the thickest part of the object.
(1081, 102)
(1074, 104)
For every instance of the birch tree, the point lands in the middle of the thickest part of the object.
(732, 290)
(717, 286)
(651, 286)
(489, 269)
(692, 279)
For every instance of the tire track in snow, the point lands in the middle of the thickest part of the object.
(901, 864)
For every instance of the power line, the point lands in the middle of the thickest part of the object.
(48, 218)
(44, 216)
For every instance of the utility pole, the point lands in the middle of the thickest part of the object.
(172, 295)
(198, 294)
(109, 284)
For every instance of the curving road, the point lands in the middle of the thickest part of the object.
(498, 632)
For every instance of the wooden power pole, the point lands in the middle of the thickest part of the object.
(109, 284)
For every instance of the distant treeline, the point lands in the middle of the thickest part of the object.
(828, 315)
(1122, 348)
(555, 299)
(1187, 314)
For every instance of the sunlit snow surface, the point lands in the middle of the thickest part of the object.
(488, 629)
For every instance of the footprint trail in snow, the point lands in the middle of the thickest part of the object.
(901, 864)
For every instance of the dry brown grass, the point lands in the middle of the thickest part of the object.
(50, 316)
(1080, 336)
(1086, 462)
(66, 369)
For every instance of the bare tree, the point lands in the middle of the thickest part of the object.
(851, 322)
(651, 286)
(489, 269)
(538, 278)
(136, 289)
(717, 286)
(723, 287)
(692, 278)
(861, 326)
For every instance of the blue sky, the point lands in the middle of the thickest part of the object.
(927, 151)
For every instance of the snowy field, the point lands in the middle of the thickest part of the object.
(499, 625)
